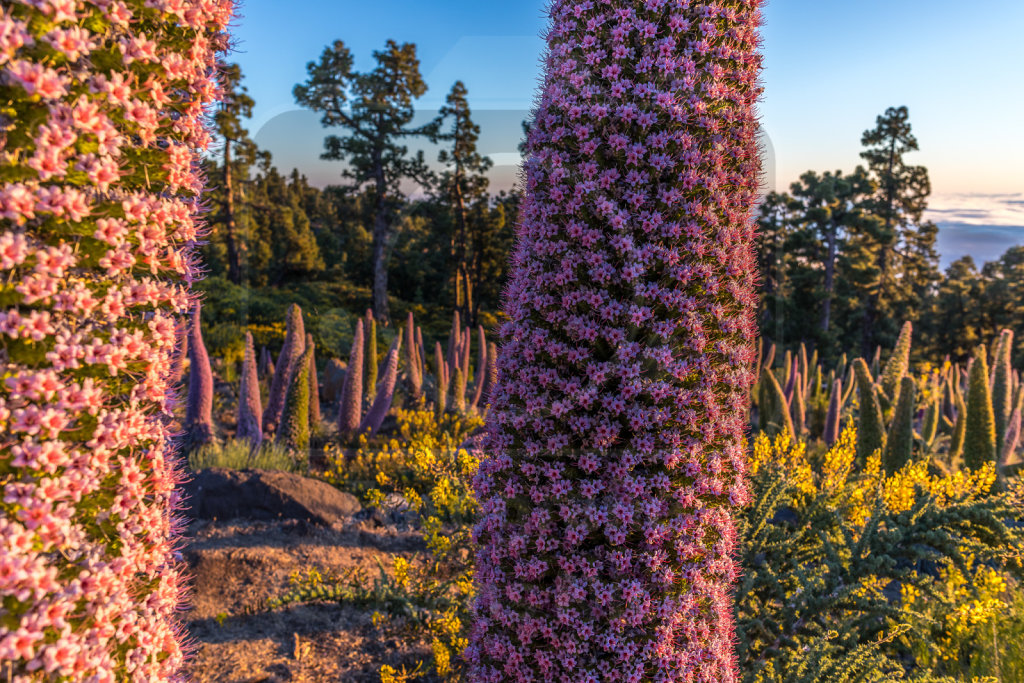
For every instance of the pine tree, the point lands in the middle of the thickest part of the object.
(959, 304)
(238, 154)
(376, 107)
(901, 244)
(491, 225)
(1002, 294)
(776, 247)
(832, 205)
(281, 246)
(464, 182)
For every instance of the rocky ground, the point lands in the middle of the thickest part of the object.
(239, 565)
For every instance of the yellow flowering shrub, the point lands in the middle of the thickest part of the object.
(857, 492)
(947, 608)
(424, 599)
(964, 600)
(827, 567)
(784, 454)
(423, 461)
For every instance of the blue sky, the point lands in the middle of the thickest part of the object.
(831, 66)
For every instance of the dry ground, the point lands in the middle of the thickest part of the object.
(238, 566)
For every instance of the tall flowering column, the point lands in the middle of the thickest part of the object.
(101, 127)
(616, 436)
(199, 427)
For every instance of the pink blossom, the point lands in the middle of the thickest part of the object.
(78, 437)
(13, 250)
(13, 36)
(73, 42)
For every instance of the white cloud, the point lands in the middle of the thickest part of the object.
(981, 225)
(978, 209)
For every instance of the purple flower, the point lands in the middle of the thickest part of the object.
(351, 407)
(614, 440)
(250, 410)
(284, 370)
(385, 391)
(199, 426)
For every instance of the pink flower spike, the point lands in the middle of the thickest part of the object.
(623, 374)
(88, 334)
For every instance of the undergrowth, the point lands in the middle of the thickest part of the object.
(240, 455)
(849, 574)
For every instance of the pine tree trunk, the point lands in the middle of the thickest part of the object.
(381, 240)
(882, 261)
(463, 291)
(830, 275)
(380, 268)
(230, 230)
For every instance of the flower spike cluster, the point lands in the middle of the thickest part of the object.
(102, 120)
(616, 436)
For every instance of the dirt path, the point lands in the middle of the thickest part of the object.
(238, 566)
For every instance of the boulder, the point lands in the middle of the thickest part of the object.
(218, 493)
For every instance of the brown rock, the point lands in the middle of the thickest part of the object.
(266, 495)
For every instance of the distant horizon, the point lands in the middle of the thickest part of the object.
(822, 90)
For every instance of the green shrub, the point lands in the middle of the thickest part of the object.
(999, 645)
(238, 455)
